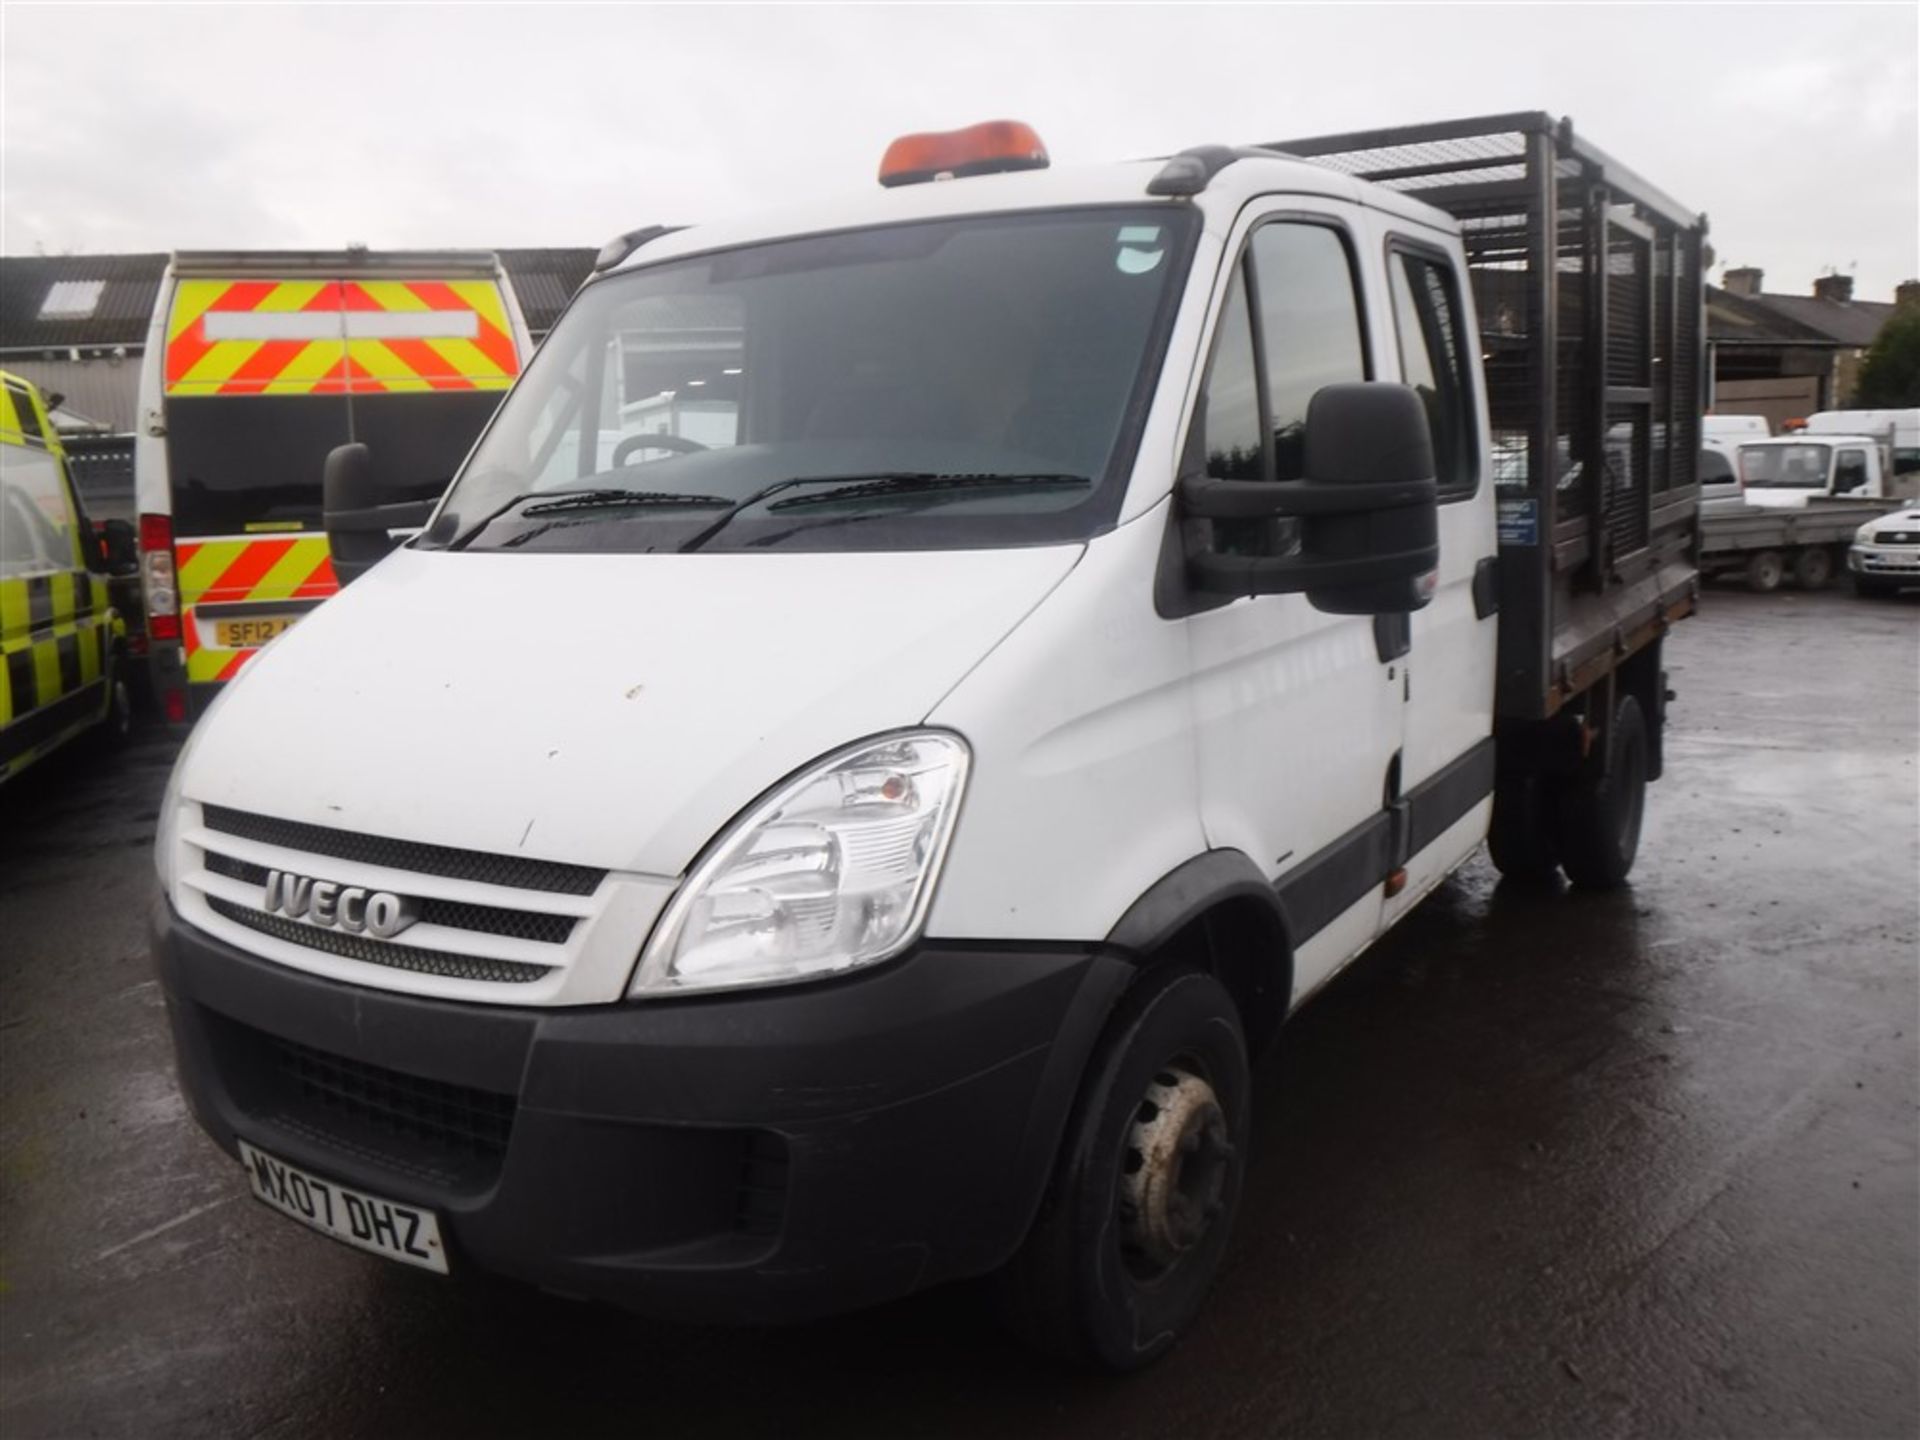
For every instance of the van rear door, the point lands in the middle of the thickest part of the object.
(266, 373)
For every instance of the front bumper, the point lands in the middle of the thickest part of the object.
(1888, 562)
(762, 1156)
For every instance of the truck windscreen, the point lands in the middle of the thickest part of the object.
(1785, 467)
(949, 355)
(252, 463)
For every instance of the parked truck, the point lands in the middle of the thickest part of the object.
(858, 842)
(1795, 511)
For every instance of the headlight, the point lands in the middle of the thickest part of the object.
(1864, 535)
(832, 871)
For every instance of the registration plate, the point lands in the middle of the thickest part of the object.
(1900, 562)
(386, 1227)
(247, 634)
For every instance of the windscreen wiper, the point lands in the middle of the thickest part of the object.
(594, 499)
(895, 482)
(563, 500)
(921, 484)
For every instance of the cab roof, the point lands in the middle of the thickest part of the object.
(1124, 183)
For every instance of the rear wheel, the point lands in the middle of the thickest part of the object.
(1764, 571)
(1813, 568)
(1522, 841)
(1136, 1220)
(1599, 813)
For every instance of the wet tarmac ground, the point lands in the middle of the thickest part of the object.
(1635, 1164)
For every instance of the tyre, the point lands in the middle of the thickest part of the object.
(1599, 814)
(1813, 568)
(1135, 1221)
(1764, 571)
(1522, 840)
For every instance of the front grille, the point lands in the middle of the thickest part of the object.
(1898, 537)
(442, 860)
(380, 952)
(446, 1134)
(455, 1117)
(455, 914)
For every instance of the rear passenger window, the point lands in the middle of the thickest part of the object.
(1426, 314)
(1310, 334)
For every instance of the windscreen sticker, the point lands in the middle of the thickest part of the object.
(1140, 250)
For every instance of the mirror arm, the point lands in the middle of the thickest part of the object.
(1268, 575)
(1203, 497)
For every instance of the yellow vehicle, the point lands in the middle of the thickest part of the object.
(60, 639)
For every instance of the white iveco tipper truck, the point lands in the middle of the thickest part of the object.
(906, 696)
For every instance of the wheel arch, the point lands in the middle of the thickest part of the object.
(1218, 913)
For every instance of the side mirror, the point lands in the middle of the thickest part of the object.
(1369, 518)
(359, 528)
(119, 547)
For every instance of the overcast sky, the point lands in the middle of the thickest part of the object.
(161, 126)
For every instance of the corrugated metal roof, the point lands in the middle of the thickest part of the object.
(544, 281)
(120, 317)
(104, 390)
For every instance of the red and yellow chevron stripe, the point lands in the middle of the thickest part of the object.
(225, 571)
(335, 337)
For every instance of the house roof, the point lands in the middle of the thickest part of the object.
(1747, 320)
(116, 313)
(1853, 323)
(119, 310)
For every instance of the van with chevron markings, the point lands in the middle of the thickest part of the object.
(259, 363)
(61, 653)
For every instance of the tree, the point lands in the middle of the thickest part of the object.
(1890, 375)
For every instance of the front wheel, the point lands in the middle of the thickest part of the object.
(1600, 812)
(1136, 1220)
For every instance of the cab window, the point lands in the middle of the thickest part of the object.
(36, 517)
(1309, 313)
(1290, 325)
(1850, 471)
(29, 416)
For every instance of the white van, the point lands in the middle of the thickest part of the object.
(1027, 633)
(1732, 430)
